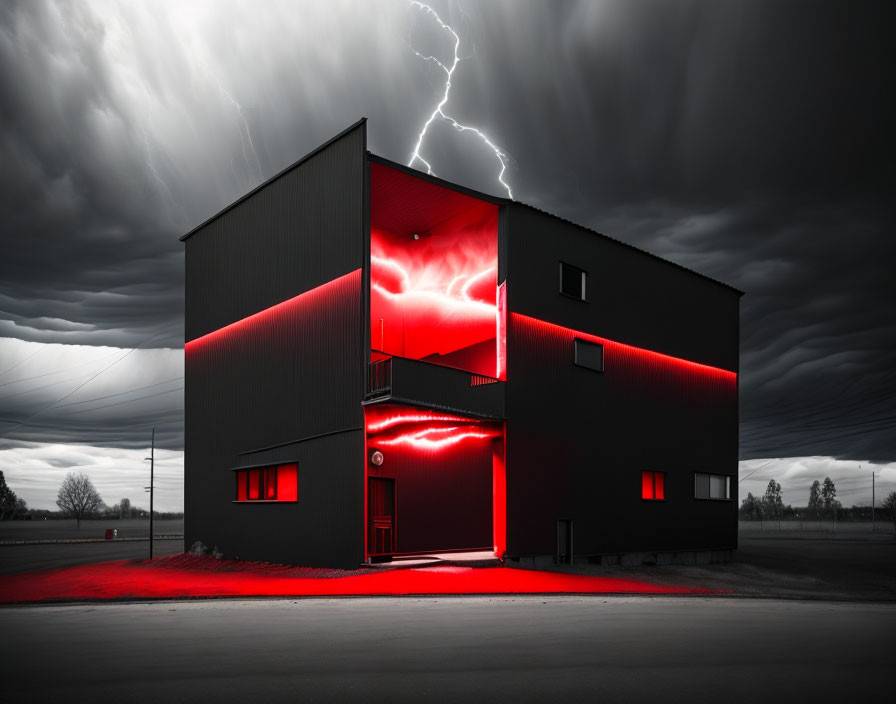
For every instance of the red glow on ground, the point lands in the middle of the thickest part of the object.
(186, 577)
(618, 352)
(318, 297)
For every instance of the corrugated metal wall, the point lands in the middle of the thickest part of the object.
(297, 232)
(285, 385)
(632, 297)
(577, 439)
(417, 382)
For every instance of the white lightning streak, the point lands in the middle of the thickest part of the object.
(503, 158)
(242, 126)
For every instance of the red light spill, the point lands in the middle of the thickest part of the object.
(618, 351)
(436, 298)
(646, 485)
(499, 495)
(287, 483)
(422, 430)
(182, 576)
(422, 441)
(417, 417)
(319, 297)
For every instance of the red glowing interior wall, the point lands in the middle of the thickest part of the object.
(449, 478)
(433, 274)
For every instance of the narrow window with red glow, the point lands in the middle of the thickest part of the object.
(653, 486)
(269, 484)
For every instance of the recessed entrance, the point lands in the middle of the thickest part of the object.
(433, 485)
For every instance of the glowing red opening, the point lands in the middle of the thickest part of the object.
(646, 485)
(652, 485)
(448, 476)
(278, 483)
(433, 274)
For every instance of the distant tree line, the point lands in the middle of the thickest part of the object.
(822, 505)
(77, 498)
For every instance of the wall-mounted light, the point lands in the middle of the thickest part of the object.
(416, 236)
(376, 458)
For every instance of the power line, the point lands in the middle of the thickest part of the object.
(60, 371)
(121, 403)
(107, 367)
(22, 361)
(122, 393)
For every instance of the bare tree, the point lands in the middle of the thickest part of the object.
(8, 500)
(890, 506)
(78, 496)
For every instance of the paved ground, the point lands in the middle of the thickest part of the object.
(27, 558)
(89, 529)
(515, 649)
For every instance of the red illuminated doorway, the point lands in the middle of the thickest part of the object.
(380, 516)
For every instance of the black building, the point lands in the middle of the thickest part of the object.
(379, 362)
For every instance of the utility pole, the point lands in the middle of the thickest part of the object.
(872, 502)
(152, 462)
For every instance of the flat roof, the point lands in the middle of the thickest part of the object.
(497, 200)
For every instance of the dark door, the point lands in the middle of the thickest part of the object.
(564, 541)
(380, 516)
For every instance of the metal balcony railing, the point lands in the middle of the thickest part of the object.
(379, 378)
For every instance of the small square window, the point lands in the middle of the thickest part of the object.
(653, 486)
(589, 354)
(572, 281)
(712, 486)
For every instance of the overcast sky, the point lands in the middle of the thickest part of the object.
(751, 141)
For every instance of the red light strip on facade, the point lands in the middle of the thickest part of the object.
(618, 349)
(392, 421)
(319, 295)
(422, 442)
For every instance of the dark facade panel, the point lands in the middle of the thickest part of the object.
(297, 232)
(420, 383)
(324, 528)
(630, 296)
(252, 391)
(578, 439)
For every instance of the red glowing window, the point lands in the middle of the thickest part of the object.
(653, 485)
(278, 483)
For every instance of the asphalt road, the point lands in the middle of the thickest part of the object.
(515, 649)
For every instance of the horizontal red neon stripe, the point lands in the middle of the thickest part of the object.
(318, 296)
(613, 349)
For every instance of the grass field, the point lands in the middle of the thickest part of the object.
(68, 529)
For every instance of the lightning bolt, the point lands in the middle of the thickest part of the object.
(181, 220)
(242, 125)
(501, 155)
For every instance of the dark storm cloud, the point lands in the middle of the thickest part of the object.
(750, 141)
